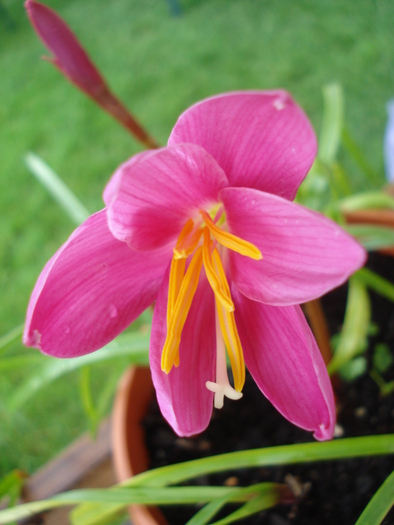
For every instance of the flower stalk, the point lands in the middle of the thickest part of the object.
(70, 58)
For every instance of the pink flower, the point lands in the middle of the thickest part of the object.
(206, 228)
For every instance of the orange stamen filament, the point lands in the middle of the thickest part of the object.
(214, 280)
(188, 240)
(231, 241)
(177, 273)
(229, 329)
(179, 313)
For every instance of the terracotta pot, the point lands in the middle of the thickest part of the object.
(130, 455)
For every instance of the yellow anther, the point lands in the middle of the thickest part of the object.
(212, 276)
(187, 240)
(229, 329)
(180, 311)
(231, 241)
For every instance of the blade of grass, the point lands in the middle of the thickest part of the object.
(209, 510)
(11, 337)
(126, 496)
(134, 345)
(372, 179)
(354, 333)
(20, 361)
(61, 193)
(380, 504)
(330, 135)
(274, 492)
(376, 283)
(257, 504)
(371, 237)
(87, 399)
(89, 514)
(367, 200)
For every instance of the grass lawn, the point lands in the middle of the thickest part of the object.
(159, 65)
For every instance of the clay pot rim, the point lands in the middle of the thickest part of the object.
(130, 455)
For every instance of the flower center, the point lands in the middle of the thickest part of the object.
(203, 240)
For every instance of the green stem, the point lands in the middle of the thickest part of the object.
(376, 283)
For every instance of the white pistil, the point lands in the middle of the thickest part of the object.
(221, 387)
(221, 391)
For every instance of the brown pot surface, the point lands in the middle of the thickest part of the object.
(130, 455)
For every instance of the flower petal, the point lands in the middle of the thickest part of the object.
(284, 360)
(155, 195)
(261, 139)
(90, 291)
(183, 398)
(304, 253)
(70, 57)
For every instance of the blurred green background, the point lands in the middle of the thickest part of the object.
(158, 64)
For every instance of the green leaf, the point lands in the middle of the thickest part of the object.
(382, 358)
(11, 337)
(354, 369)
(133, 345)
(367, 200)
(61, 193)
(126, 496)
(209, 510)
(147, 488)
(385, 388)
(21, 361)
(379, 505)
(376, 283)
(371, 237)
(11, 486)
(87, 398)
(267, 494)
(371, 178)
(253, 506)
(353, 337)
(330, 135)
(90, 514)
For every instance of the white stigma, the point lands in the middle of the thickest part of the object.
(221, 387)
(221, 391)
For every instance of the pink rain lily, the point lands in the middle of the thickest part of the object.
(206, 227)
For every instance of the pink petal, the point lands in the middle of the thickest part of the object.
(90, 291)
(151, 198)
(112, 188)
(284, 360)
(183, 398)
(304, 253)
(261, 139)
(70, 57)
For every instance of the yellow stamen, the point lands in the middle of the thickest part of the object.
(229, 329)
(177, 273)
(214, 280)
(187, 240)
(231, 241)
(180, 311)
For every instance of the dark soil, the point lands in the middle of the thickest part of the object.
(336, 492)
